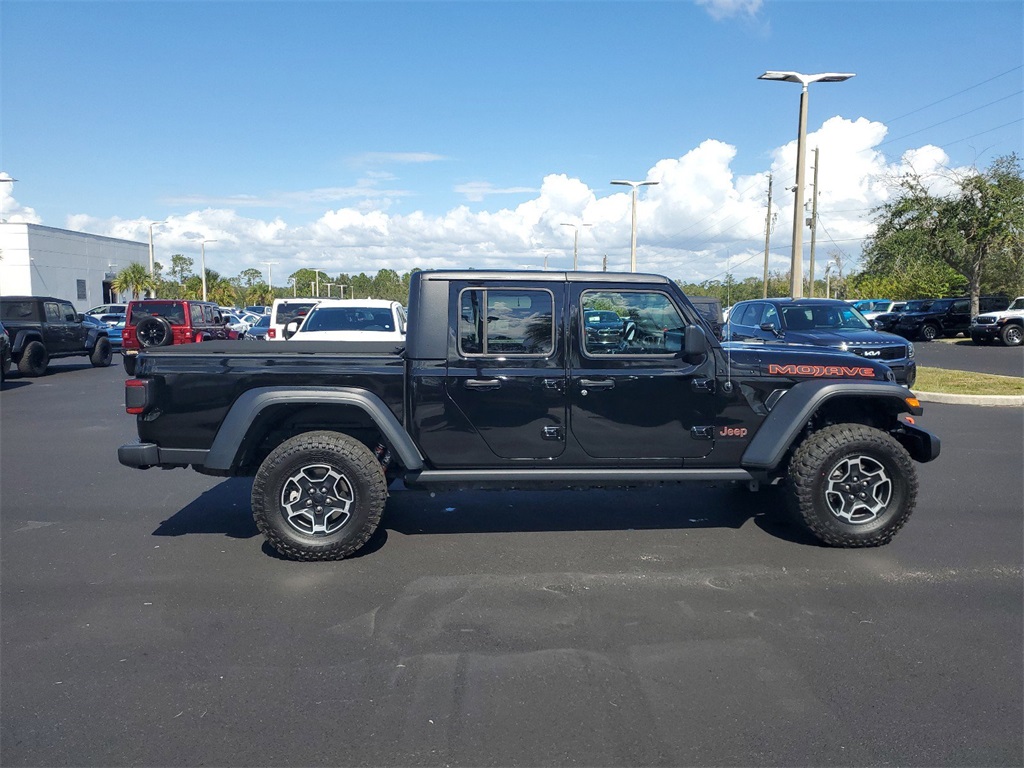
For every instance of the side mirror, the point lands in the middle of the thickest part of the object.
(291, 329)
(695, 343)
(770, 328)
(79, 318)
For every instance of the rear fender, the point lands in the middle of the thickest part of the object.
(227, 446)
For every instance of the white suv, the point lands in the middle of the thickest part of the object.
(351, 320)
(285, 311)
(1006, 326)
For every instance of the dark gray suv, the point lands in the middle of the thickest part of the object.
(822, 323)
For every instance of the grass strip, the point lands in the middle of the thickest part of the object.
(967, 382)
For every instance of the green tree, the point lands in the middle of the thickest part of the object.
(974, 232)
(134, 279)
(248, 278)
(181, 268)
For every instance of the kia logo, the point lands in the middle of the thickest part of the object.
(872, 352)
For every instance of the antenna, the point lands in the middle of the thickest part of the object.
(728, 299)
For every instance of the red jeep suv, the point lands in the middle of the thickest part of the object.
(161, 322)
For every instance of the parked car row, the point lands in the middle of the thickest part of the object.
(928, 319)
(822, 323)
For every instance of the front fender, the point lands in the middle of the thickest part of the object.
(792, 412)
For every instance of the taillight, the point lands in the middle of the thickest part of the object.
(136, 395)
(271, 333)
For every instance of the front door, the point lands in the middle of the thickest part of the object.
(639, 399)
(506, 375)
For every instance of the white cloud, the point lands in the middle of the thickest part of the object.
(476, 191)
(724, 9)
(395, 158)
(698, 221)
(10, 209)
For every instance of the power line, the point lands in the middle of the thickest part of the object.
(951, 119)
(947, 98)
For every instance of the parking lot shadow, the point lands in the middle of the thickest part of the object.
(671, 508)
(223, 509)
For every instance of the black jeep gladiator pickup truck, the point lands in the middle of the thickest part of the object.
(499, 386)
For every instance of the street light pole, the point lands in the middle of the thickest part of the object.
(796, 272)
(295, 286)
(632, 247)
(270, 275)
(8, 179)
(575, 243)
(203, 263)
(329, 286)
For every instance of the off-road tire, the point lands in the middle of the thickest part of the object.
(875, 464)
(154, 331)
(286, 499)
(34, 359)
(929, 332)
(102, 353)
(1012, 335)
(128, 361)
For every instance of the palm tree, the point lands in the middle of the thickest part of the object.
(133, 279)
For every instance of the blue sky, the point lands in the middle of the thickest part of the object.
(355, 136)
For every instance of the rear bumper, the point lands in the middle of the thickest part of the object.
(146, 455)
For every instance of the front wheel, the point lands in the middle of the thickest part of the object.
(1012, 335)
(319, 496)
(102, 354)
(929, 332)
(853, 486)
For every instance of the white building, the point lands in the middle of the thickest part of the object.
(45, 261)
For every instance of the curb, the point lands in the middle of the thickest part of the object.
(1016, 401)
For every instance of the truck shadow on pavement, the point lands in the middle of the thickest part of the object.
(225, 510)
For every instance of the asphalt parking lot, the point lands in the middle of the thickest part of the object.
(144, 622)
(964, 355)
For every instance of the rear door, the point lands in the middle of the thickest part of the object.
(506, 373)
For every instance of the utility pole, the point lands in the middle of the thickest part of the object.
(604, 263)
(767, 237)
(814, 222)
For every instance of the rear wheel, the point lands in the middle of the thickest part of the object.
(1012, 335)
(128, 361)
(853, 486)
(319, 496)
(34, 359)
(102, 354)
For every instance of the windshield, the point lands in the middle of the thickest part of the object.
(349, 319)
(1018, 303)
(922, 305)
(833, 318)
(172, 310)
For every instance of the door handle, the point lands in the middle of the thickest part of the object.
(482, 384)
(597, 383)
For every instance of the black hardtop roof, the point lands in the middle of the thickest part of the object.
(33, 298)
(803, 301)
(538, 275)
(168, 301)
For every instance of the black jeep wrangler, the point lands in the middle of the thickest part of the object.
(43, 327)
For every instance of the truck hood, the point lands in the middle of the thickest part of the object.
(805, 361)
(999, 315)
(835, 339)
